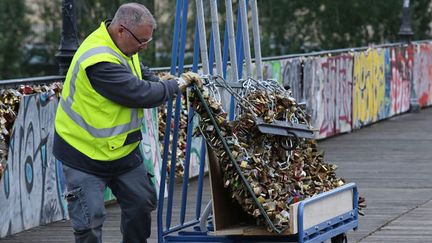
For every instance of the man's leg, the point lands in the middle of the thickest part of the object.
(85, 199)
(136, 195)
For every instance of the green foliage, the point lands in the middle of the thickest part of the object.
(42, 47)
(164, 13)
(14, 28)
(50, 15)
(304, 26)
(286, 27)
(91, 13)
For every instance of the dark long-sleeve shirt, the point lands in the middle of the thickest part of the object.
(116, 83)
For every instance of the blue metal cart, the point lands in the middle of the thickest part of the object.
(326, 216)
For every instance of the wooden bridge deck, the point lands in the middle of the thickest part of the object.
(391, 162)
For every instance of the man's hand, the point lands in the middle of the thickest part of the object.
(191, 78)
(185, 80)
(167, 76)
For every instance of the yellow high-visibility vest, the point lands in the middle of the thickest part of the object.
(91, 123)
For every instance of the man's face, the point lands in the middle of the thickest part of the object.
(136, 38)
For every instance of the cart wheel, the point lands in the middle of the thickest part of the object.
(342, 238)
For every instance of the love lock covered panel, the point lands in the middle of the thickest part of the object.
(264, 172)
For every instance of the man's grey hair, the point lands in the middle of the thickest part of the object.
(133, 14)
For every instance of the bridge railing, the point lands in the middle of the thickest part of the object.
(344, 89)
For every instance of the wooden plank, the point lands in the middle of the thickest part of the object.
(229, 218)
(226, 214)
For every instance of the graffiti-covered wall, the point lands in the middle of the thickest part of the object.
(32, 187)
(355, 89)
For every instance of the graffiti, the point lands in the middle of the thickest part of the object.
(267, 70)
(334, 77)
(195, 152)
(368, 87)
(291, 77)
(195, 159)
(327, 81)
(272, 70)
(320, 93)
(150, 145)
(422, 74)
(326, 113)
(387, 89)
(31, 193)
(341, 71)
(401, 61)
(310, 89)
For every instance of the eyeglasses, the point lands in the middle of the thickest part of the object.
(136, 38)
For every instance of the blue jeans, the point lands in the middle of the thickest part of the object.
(135, 194)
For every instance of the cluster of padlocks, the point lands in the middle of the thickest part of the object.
(9, 102)
(264, 172)
(181, 143)
(9, 105)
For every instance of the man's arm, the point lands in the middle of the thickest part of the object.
(116, 83)
(149, 75)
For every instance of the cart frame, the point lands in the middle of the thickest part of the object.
(188, 231)
(325, 230)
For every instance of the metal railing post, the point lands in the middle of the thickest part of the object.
(216, 36)
(245, 33)
(231, 39)
(202, 37)
(69, 41)
(256, 39)
(405, 35)
(405, 31)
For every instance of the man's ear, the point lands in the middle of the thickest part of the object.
(116, 31)
(120, 31)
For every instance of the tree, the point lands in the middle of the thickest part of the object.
(287, 26)
(304, 26)
(14, 29)
(43, 44)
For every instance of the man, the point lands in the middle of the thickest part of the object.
(98, 125)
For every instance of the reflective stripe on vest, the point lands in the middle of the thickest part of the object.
(78, 119)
